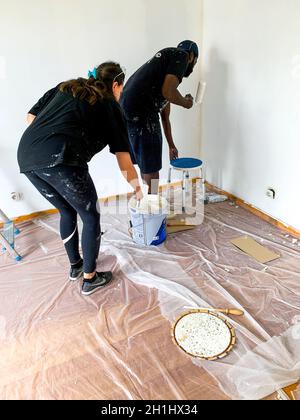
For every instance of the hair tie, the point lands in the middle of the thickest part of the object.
(93, 73)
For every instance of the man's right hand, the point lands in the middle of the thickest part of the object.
(189, 101)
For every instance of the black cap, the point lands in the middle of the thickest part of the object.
(189, 46)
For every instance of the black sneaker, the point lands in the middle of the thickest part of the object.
(76, 272)
(100, 280)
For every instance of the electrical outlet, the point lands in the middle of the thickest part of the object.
(16, 196)
(271, 193)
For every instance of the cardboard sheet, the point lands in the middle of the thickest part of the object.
(177, 229)
(255, 250)
(175, 226)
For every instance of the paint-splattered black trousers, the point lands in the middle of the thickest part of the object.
(71, 190)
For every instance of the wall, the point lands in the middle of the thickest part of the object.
(44, 43)
(251, 116)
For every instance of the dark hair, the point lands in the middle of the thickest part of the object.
(92, 90)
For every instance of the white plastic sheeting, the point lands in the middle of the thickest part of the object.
(194, 269)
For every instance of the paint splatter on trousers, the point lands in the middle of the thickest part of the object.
(71, 190)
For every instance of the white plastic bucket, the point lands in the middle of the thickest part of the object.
(148, 220)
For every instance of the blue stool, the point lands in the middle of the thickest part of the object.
(185, 165)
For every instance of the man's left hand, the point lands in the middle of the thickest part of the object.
(173, 153)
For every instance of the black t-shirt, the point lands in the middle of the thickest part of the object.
(143, 91)
(69, 131)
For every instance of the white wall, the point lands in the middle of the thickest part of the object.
(45, 42)
(251, 118)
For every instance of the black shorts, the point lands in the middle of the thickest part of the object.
(145, 138)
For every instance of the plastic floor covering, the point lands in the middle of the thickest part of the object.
(117, 343)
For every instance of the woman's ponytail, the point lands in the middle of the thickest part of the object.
(95, 89)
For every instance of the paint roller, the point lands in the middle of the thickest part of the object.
(201, 88)
(210, 197)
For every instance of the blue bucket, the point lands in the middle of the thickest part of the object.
(149, 228)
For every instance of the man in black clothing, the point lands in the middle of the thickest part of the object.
(150, 93)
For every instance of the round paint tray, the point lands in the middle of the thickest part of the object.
(204, 334)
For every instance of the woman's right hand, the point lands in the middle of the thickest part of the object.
(129, 172)
(139, 193)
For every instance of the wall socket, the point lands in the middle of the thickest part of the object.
(16, 196)
(271, 193)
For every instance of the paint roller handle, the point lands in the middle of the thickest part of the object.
(235, 312)
(189, 101)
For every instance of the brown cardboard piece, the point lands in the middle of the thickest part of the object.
(255, 250)
(175, 226)
(177, 222)
(176, 229)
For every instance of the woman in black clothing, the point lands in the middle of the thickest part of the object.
(68, 126)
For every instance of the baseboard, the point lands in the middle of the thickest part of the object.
(106, 200)
(262, 215)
